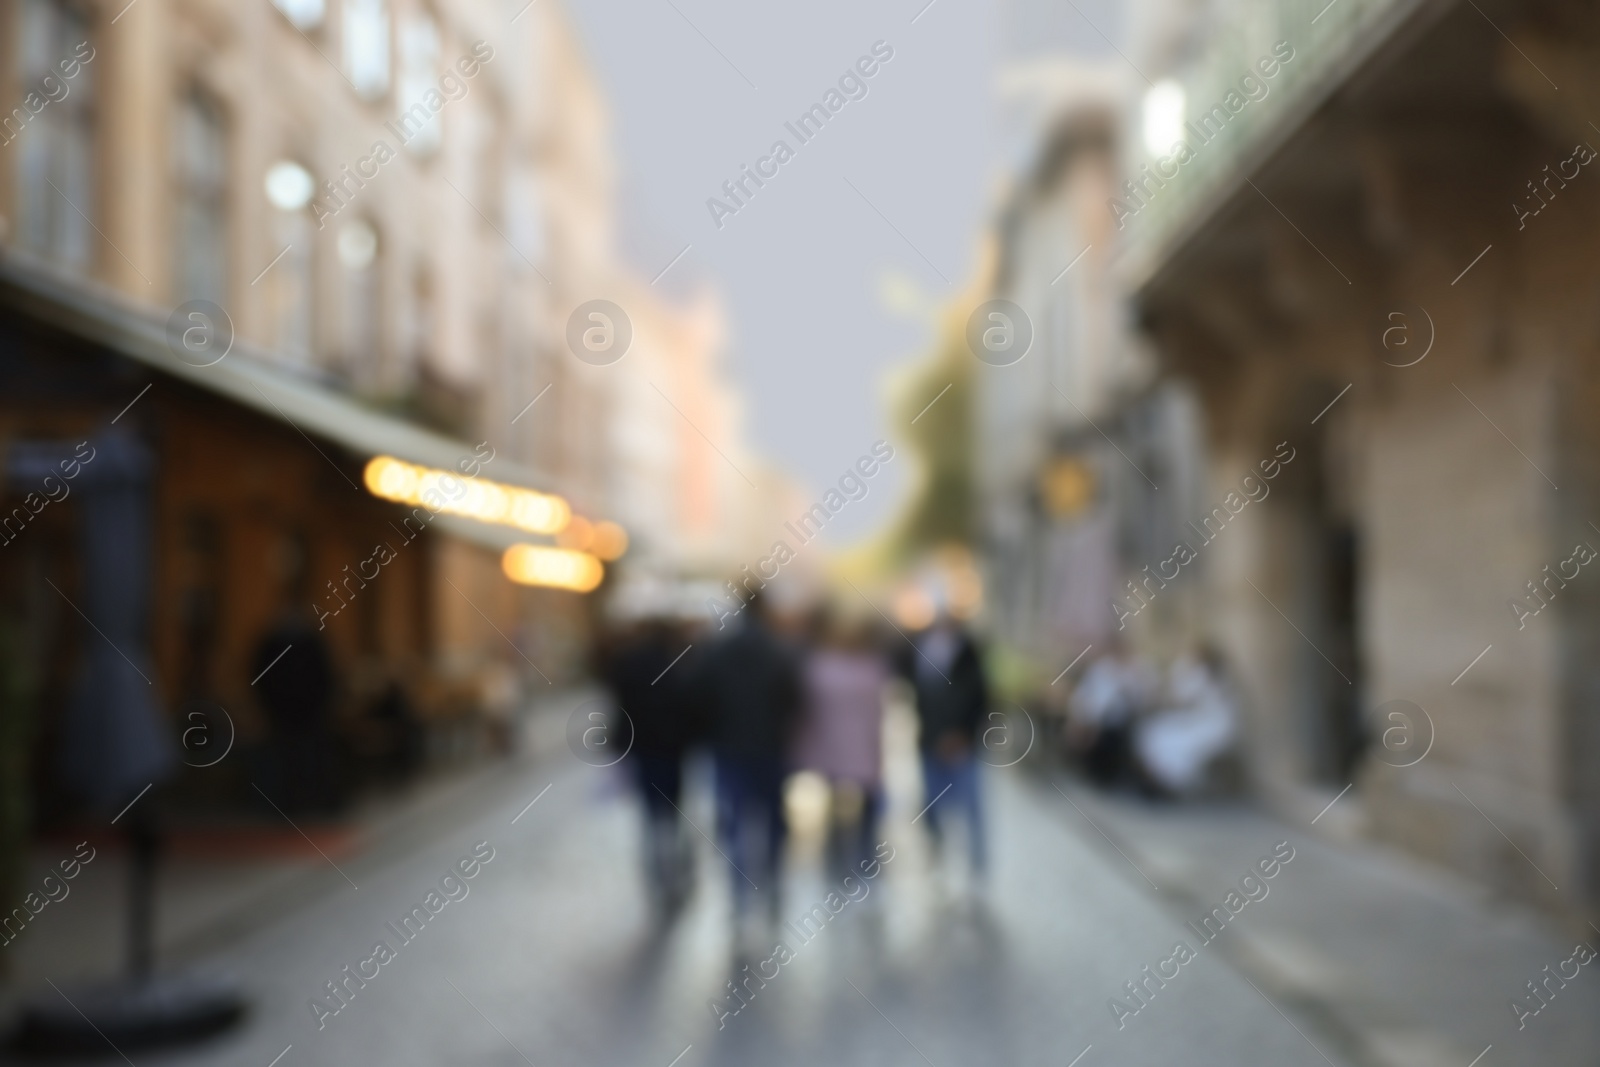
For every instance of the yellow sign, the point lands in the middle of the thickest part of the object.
(1067, 487)
(555, 568)
(472, 498)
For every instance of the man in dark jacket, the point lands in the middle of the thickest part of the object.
(296, 684)
(650, 684)
(946, 676)
(751, 686)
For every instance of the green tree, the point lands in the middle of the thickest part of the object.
(932, 409)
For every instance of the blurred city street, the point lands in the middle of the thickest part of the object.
(1089, 566)
(553, 956)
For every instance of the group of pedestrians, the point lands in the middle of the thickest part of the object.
(773, 695)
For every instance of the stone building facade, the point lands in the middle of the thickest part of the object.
(1378, 256)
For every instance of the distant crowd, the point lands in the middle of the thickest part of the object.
(778, 694)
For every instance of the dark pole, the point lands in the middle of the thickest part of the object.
(143, 846)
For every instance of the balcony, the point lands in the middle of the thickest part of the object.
(1330, 42)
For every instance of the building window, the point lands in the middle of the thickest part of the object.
(358, 258)
(200, 157)
(289, 188)
(292, 286)
(366, 46)
(419, 72)
(304, 14)
(489, 181)
(417, 352)
(524, 215)
(56, 158)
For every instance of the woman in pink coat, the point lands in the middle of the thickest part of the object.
(841, 731)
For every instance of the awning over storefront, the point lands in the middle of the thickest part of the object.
(247, 376)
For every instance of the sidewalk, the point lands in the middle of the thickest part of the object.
(217, 887)
(1379, 958)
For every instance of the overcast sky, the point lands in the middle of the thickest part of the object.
(698, 88)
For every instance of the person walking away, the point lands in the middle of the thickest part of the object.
(654, 692)
(399, 749)
(841, 733)
(951, 694)
(752, 690)
(296, 684)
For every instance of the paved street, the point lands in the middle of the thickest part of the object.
(551, 957)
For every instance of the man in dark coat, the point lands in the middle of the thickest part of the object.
(946, 675)
(652, 687)
(751, 687)
(296, 683)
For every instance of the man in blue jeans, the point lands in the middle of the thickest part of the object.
(946, 675)
(751, 685)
